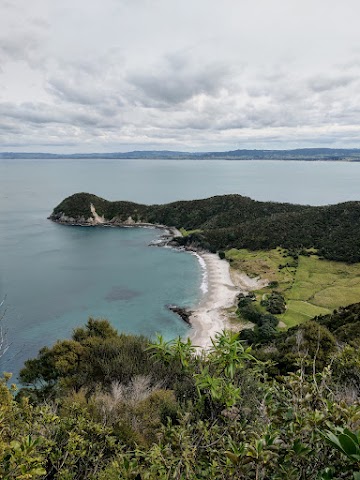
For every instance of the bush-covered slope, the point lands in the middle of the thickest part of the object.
(214, 212)
(104, 406)
(313, 344)
(344, 324)
(234, 221)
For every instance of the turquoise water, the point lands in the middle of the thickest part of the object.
(55, 277)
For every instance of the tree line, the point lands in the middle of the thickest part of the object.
(234, 221)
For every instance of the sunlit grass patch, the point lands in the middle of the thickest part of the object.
(186, 233)
(299, 311)
(263, 263)
(311, 286)
(336, 296)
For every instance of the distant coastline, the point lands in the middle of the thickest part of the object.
(301, 154)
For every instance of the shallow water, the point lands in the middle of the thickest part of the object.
(55, 277)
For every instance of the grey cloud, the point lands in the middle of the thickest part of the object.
(43, 115)
(323, 83)
(154, 79)
(28, 142)
(73, 93)
(286, 104)
(39, 22)
(176, 80)
(22, 37)
(20, 47)
(5, 4)
(88, 84)
(8, 126)
(29, 112)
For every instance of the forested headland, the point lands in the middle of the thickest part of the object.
(233, 221)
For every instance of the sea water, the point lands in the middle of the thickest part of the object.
(54, 277)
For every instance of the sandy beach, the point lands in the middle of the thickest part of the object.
(210, 317)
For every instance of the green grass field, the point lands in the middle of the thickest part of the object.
(311, 286)
(185, 233)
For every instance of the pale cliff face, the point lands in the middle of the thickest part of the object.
(96, 218)
(129, 221)
(66, 219)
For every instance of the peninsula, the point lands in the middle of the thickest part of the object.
(228, 224)
(230, 221)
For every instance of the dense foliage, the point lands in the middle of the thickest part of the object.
(344, 323)
(109, 406)
(234, 221)
(315, 344)
(265, 323)
(274, 303)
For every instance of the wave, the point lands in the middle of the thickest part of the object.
(204, 287)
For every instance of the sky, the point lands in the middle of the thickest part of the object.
(199, 75)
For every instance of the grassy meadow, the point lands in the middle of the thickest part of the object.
(310, 285)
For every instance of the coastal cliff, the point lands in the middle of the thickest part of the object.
(88, 209)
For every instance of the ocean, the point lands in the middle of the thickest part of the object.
(53, 277)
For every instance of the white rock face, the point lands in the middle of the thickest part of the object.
(66, 219)
(96, 218)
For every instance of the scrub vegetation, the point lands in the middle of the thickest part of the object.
(108, 406)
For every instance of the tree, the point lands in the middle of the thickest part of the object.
(3, 343)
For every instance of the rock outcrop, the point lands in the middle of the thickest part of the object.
(184, 313)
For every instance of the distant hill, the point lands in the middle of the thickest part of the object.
(234, 221)
(308, 154)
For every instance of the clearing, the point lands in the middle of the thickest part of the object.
(311, 286)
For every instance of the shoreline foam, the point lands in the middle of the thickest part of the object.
(204, 287)
(209, 317)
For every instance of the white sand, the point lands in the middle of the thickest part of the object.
(221, 287)
(210, 317)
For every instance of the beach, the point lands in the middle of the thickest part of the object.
(219, 294)
(220, 287)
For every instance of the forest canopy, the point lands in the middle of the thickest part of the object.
(233, 221)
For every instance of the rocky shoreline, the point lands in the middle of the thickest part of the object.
(166, 239)
(184, 313)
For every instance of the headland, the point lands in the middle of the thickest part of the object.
(221, 223)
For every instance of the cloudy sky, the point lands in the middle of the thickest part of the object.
(192, 75)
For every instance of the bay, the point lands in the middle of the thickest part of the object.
(55, 277)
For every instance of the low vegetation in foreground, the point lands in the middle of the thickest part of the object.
(104, 406)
